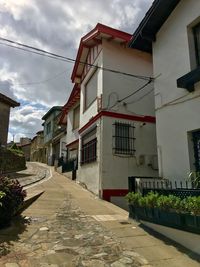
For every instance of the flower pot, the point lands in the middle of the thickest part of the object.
(192, 223)
(140, 213)
(169, 218)
(131, 211)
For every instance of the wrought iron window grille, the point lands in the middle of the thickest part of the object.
(123, 139)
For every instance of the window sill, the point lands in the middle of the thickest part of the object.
(188, 80)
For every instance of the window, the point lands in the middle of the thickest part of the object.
(89, 147)
(48, 127)
(123, 138)
(196, 31)
(91, 90)
(76, 117)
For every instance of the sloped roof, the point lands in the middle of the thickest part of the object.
(92, 38)
(7, 100)
(49, 112)
(73, 98)
(155, 17)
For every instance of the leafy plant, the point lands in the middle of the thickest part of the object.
(189, 205)
(133, 198)
(194, 178)
(151, 199)
(2, 194)
(12, 198)
(192, 205)
(168, 203)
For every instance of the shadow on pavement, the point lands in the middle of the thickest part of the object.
(170, 242)
(19, 175)
(12, 233)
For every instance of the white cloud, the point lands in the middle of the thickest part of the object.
(57, 26)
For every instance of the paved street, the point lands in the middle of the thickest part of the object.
(34, 173)
(68, 226)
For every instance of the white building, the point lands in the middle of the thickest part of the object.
(171, 31)
(116, 134)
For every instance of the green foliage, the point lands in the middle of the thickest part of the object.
(12, 198)
(11, 161)
(2, 194)
(133, 198)
(151, 200)
(16, 149)
(194, 177)
(168, 203)
(192, 205)
(189, 205)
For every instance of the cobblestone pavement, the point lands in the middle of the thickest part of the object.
(35, 172)
(70, 238)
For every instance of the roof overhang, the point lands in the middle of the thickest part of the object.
(73, 99)
(91, 39)
(50, 111)
(155, 17)
(7, 100)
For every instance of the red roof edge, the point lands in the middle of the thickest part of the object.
(73, 96)
(100, 28)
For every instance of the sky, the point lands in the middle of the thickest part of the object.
(37, 82)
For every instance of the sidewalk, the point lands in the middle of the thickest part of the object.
(68, 226)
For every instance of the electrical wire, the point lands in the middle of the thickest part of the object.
(44, 81)
(140, 98)
(173, 103)
(42, 52)
(139, 89)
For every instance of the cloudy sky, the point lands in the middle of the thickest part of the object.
(37, 82)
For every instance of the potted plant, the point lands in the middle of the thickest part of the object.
(192, 215)
(133, 200)
(169, 210)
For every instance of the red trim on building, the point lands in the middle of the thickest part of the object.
(72, 143)
(149, 119)
(73, 98)
(108, 193)
(92, 35)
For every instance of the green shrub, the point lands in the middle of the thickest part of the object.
(151, 200)
(190, 205)
(133, 198)
(12, 199)
(168, 203)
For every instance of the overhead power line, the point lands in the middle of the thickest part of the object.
(42, 52)
(135, 92)
(44, 81)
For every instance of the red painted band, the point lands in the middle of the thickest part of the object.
(149, 119)
(108, 193)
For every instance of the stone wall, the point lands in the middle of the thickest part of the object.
(10, 162)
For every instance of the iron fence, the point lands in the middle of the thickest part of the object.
(144, 185)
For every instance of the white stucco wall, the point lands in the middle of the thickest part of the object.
(89, 173)
(117, 86)
(63, 145)
(172, 58)
(117, 168)
(72, 134)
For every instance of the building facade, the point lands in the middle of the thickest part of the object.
(116, 136)
(38, 150)
(174, 40)
(5, 104)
